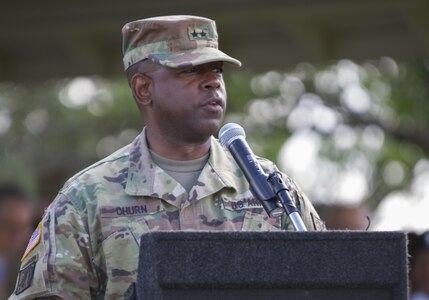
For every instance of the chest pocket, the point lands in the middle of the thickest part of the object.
(138, 218)
(121, 229)
(249, 213)
(118, 261)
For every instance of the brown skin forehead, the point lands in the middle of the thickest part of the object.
(147, 66)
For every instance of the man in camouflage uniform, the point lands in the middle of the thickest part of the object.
(174, 176)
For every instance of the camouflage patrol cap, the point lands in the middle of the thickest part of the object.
(172, 41)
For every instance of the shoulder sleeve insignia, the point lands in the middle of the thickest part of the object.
(25, 278)
(34, 240)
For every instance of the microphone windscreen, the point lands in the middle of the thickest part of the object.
(229, 132)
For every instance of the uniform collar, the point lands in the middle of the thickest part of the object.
(145, 178)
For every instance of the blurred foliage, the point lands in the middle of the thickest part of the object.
(366, 123)
(370, 116)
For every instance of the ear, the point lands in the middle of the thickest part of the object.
(141, 88)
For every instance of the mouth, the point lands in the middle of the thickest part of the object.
(213, 103)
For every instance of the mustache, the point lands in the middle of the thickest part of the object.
(214, 100)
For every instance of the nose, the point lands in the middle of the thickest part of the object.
(212, 80)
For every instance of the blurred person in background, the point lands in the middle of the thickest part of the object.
(418, 248)
(343, 217)
(16, 223)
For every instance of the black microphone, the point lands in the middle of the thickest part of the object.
(269, 189)
(232, 137)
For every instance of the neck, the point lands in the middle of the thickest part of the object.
(175, 149)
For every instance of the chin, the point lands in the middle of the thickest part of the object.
(203, 132)
(213, 126)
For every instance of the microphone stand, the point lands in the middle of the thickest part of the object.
(282, 192)
(275, 197)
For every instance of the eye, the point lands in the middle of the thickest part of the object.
(190, 70)
(217, 70)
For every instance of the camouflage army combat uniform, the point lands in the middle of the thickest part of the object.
(89, 235)
(87, 243)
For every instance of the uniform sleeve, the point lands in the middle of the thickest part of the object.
(57, 263)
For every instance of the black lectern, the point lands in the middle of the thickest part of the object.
(272, 265)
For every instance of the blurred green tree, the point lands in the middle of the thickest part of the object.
(346, 131)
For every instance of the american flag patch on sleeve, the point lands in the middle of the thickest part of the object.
(34, 240)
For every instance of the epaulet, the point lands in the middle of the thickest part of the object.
(120, 153)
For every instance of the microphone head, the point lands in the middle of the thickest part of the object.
(229, 132)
